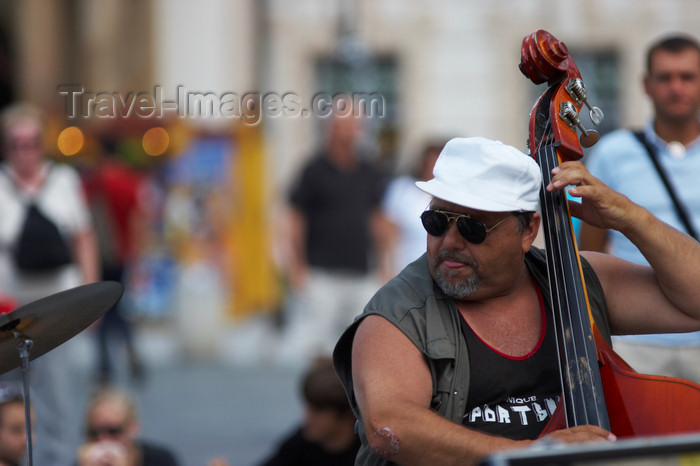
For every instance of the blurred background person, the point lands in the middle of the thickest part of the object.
(13, 433)
(337, 241)
(28, 177)
(116, 194)
(403, 204)
(327, 435)
(620, 160)
(112, 430)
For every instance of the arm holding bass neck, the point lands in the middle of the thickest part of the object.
(599, 387)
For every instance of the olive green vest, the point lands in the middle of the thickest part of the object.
(414, 304)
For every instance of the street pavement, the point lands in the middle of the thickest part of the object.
(218, 406)
(208, 409)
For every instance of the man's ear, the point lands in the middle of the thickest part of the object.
(134, 429)
(530, 231)
(646, 83)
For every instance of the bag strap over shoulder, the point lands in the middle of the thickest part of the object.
(680, 210)
(23, 197)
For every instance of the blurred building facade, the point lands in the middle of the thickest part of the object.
(452, 65)
(443, 68)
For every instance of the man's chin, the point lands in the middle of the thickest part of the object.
(458, 289)
(679, 115)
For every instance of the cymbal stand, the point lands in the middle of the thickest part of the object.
(24, 346)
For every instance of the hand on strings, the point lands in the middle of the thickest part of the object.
(579, 434)
(600, 205)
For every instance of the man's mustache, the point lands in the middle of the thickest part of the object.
(446, 254)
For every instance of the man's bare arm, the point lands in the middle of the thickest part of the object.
(657, 299)
(393, 388)
(591, 238)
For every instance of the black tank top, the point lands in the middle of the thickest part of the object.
(513, 397)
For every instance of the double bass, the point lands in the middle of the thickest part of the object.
(598, 386)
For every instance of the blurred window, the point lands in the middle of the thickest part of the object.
(362, 75)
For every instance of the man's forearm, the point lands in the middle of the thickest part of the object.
(674, 256)
(417, 436)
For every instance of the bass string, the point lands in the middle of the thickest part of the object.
(553, 282)
(563, 263)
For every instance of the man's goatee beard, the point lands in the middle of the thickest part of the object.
(457, 290)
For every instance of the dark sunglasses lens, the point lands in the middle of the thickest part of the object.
(434, 223)
(473, 230)
(94, 433)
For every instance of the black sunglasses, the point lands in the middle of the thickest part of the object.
(107, 431)
(24, 143)
(436, 223)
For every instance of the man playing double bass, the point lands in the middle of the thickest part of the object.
(454, 358)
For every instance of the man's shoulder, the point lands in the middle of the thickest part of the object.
(616, 149)
(317, 161)
(616, 137)
(314, 170)
(615, 142)
(412, 303)
(63, 170)
(411, 287)
(156, 454)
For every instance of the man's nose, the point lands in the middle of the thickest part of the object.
(452, 236)
(677, 84)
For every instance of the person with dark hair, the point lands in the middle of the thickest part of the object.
(13, 433)
(327, 436)
(653, 167)
(336, 241)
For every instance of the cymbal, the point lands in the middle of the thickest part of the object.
(54, 319)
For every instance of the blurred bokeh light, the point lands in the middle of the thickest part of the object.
(155, 141)
(70, 141)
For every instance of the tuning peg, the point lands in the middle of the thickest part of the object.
(567, 112)
(577, 91)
